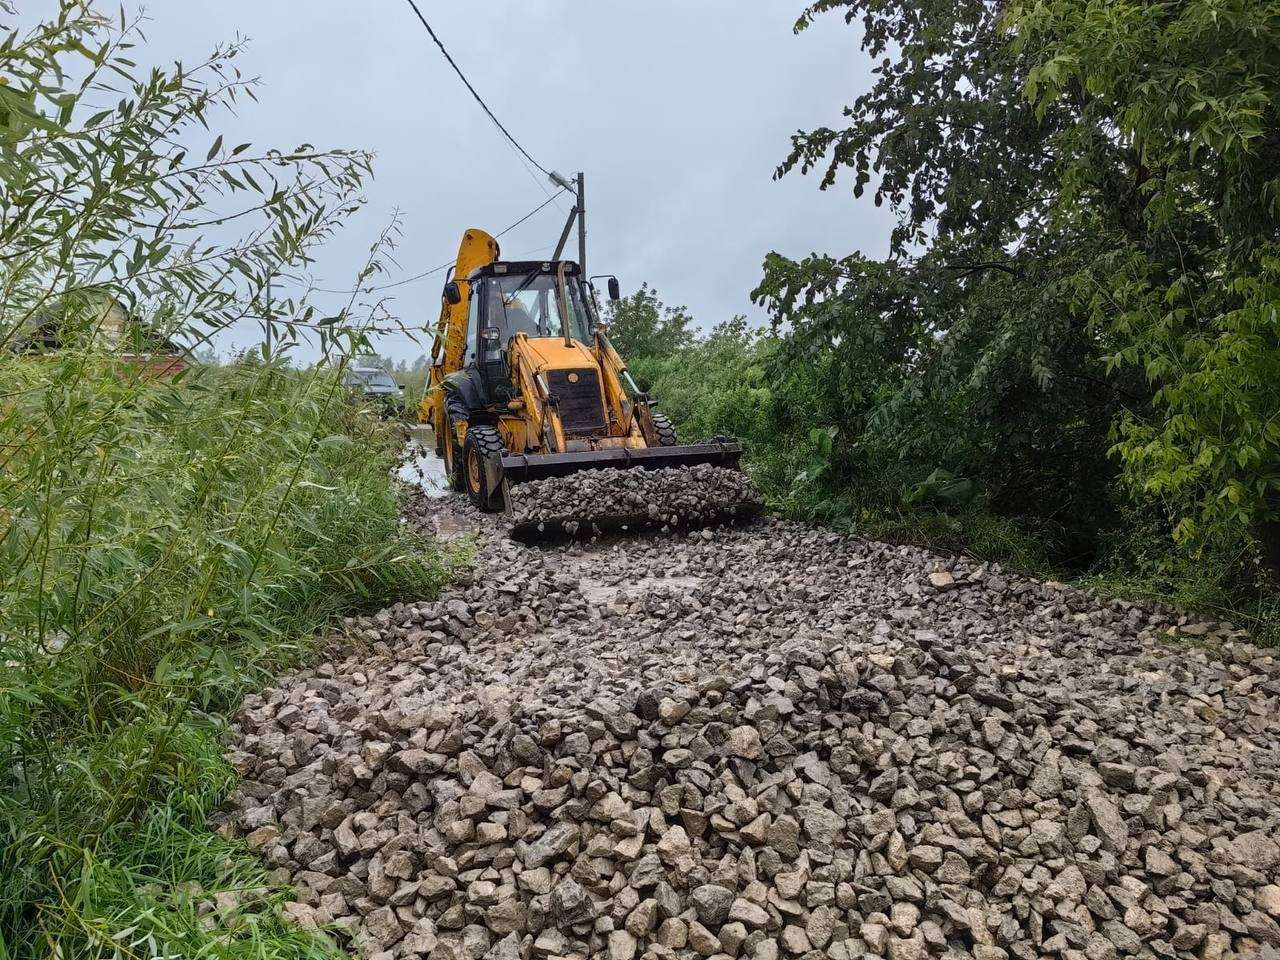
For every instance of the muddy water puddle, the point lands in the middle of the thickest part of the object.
(423, 469)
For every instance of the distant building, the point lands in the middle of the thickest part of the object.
(102, 321)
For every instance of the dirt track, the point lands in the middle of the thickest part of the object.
(769, 741)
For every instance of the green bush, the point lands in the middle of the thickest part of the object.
(1073, 343)
(642, 327)
(165, 547)
(1230, 582)
(713, 386)
(723, 385)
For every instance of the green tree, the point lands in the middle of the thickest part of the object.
(641, 326)
(1187, 98)
(1084, 262)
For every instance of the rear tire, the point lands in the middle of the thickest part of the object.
(484, 444)
(452, 459)
(665, 432)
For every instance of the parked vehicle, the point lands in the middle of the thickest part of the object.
(376, 386)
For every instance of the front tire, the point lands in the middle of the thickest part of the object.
(664, 431)
(483, 446)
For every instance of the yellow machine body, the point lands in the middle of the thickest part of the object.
(537, 405)
(478, 249)
(534, 425)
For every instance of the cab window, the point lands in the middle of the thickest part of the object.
(531, 304)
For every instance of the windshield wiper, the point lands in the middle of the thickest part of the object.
(520, 289)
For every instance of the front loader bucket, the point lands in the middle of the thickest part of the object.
(521, 468)
(684, 486)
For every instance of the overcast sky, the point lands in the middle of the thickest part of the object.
(677, 110)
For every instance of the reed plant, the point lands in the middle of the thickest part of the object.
(166, 542)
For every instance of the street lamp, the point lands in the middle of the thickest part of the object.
(579, 212)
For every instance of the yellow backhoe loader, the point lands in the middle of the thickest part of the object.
(524, 382)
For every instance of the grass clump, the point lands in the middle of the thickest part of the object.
(166, 547)
(165, 544)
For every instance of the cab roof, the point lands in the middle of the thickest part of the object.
(502, 268)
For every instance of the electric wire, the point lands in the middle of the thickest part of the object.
(448, 263)
(463, 77)
(522, 155)
(550, 199)
(532, 254)
(540, 184)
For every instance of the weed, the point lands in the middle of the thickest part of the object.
(170, 546)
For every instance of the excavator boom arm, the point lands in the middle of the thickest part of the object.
(543, 420)
(448, 352)
(477, 250)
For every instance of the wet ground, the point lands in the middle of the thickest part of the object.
(421, 467)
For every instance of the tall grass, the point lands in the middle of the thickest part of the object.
(166, 547)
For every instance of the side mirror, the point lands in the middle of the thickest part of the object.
(615, 289)
(453, 293)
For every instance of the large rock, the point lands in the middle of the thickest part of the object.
(1107, 821)
(711, 902)
(555, 842)
(570, 903)
(1255, 850)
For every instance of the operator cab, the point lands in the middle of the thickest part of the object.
(524, 297)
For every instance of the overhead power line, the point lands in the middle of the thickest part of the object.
(458, 70)
(448, 263)
(550, 200)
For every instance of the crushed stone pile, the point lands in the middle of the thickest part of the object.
(770, 742)
(674, 497)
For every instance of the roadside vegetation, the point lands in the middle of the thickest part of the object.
(171, 535)
(1075, 339)
(757, 386)
(170, 546)
(1071, 358)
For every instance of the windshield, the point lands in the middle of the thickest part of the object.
(370, 378)
(530, 303)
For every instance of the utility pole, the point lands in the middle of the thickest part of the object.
(579, 212)
(582, 224)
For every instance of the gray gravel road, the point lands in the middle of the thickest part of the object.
(764, 742)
